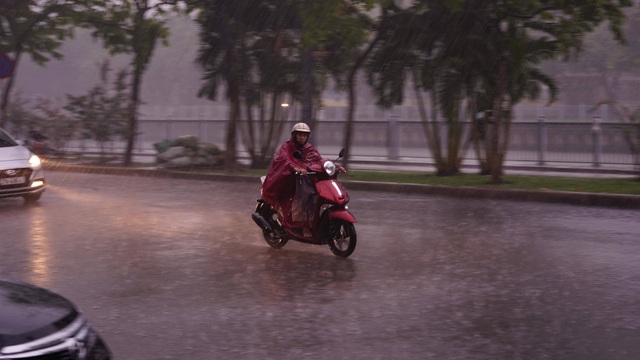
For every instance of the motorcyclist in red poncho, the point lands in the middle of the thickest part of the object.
(279, 186)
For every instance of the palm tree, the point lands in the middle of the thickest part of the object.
(252, 51)
(484, 54)
(222, 60)
(419, 45)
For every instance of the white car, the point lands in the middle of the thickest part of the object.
(21, 171)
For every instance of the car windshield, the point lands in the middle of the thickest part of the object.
(6, 140)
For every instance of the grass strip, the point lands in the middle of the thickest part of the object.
(629, 186)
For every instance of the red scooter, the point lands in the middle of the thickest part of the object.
(330, 222)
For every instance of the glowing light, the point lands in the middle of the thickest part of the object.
(40, 249)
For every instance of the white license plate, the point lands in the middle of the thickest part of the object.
(12, 181)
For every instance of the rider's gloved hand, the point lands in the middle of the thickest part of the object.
(341, 169)
(300, 171)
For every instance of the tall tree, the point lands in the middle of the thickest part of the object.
(420, 46)
(563, 24)
(36, 29)
(271, 86)
(346, 42)
(256, 51)
(332, 34)
(487, 60)
(223, 35)
(132, 27)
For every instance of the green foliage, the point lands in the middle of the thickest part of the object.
(56, 124)
(36, 28)
(131, 27)
(483, 53)
(256, 52)
(45, 117)
(102, 112)
(20, 117)
(324, 19)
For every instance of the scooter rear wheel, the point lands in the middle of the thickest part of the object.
(274, 240)
(342, 238)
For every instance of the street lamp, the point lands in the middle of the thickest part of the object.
(285, 114)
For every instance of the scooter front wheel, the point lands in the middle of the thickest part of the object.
(342, 238)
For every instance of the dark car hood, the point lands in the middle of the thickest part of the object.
(28, 313)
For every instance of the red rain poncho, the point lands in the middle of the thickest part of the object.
(279, 186)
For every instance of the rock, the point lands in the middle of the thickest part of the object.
(162, 146)
(188, 141)
(171, 153)
(186, 151)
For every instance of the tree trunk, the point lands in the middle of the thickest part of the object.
(431, 129)
(494, 153)
(307, 89)
(479, 139)
(6, 93)
(351, 109)
(132, 130)
(234, 114)
(353, 99)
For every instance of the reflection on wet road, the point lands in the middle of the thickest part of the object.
(176, 269)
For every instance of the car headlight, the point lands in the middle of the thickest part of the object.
(329, 168)
(34, 161)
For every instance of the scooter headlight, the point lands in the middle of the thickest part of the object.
(329, 168)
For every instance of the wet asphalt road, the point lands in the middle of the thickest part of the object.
(176, 269)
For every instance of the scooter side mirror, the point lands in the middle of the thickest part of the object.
(297, 154)
(341, 154)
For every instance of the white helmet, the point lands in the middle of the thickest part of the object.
(300, 127)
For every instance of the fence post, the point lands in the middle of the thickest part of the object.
(139, 143)
(169, 126)
(596, 130)
(393, 137)
(542, 139)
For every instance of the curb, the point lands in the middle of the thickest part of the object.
(563, 197)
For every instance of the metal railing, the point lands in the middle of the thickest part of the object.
(539, 142)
